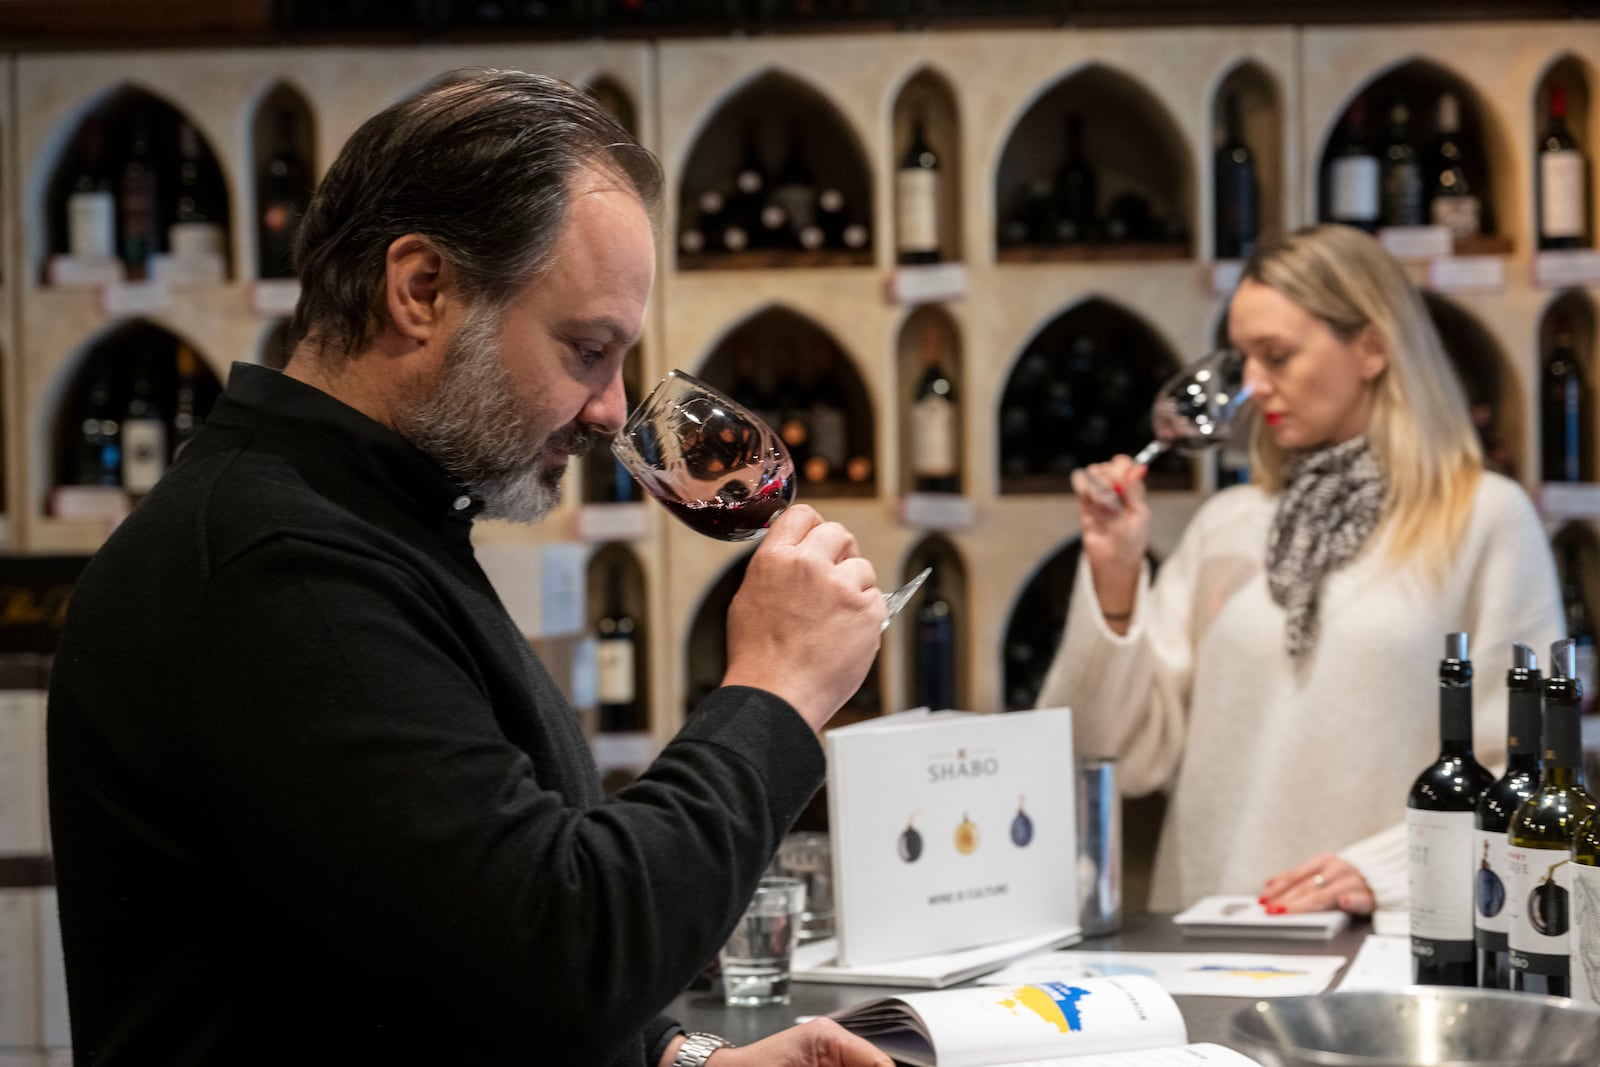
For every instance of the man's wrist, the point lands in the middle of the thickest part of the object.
(696, 1049)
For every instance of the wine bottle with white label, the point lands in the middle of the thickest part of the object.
(1539, 842)
(1586, 911)
(1563, 178)
(1439, 824)
(1495, 808)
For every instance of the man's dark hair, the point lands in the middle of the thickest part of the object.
(480, 163)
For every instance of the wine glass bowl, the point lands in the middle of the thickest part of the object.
(1195, 408)
(709, 460)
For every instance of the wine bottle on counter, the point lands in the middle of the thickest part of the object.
(1539, 842)
(1353, 175)
(616, 661)
(1586, 911)
(1237, 190)
(1496, 807)
(1440, 813)
(92, 205)
(1563, 179)
(1401, 172)
(1565, 421)
(933, 652)
(916, 186)
(935, 421)
(1076, 194)
(283, 188)
(1451, 201)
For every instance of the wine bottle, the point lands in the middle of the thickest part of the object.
(1451, 201)
(1539, 850)
(1586, 911)
(1236, 190)
(139, 202)
(830, 442)
(283, 188)
(196, 229)
(743, 228)
(144, 433)
(1353, 175)
(934, 421)
(92, 206)
(1401, 172)
(1579, 620)
(616, 661)
(186, 417)
(933, 651)
(1076, 199)
(1563, 179)
(792, 406)
(99, 452)
(794, 189)
(1565, 423)
(917, 199)
(1495, 808)
(1439, 823)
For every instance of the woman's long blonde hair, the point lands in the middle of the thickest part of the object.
(1420, 431)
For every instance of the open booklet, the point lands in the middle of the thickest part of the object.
(1125, 1021)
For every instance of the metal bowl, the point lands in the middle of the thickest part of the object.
(1421, 1026)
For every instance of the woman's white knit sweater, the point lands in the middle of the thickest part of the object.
(1268, 761)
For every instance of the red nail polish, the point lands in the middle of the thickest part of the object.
(1276, 909)
(1118, 487)
(1262, 899)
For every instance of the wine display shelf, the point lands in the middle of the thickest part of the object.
(986, 93)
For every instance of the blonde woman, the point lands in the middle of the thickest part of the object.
(1279, 677)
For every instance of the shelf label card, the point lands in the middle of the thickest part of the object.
(928, 284)
(1557, 270)
(1417, 242)
(613, 522)
(194, 268)
(1224, 276)
(275, 297)
(936, 511)
(1571, 500)
(562, 591)
(631, 751)
(133, 299)
(76, 270)
(1467, 274)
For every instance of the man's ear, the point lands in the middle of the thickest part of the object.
(414, 287)
(1373, 353)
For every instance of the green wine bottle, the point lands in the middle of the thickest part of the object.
(1495, 808)
(1539, 851)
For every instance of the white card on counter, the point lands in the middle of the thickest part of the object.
(1383, 962)
(1193, 974)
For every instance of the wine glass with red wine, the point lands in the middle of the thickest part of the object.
(721, 470)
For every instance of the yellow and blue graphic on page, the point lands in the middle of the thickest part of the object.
(1054, 1002)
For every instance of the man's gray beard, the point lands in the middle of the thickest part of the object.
(472, 426)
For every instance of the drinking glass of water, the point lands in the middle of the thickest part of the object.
(757, 959)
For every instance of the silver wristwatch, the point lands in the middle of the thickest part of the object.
(697, 1048)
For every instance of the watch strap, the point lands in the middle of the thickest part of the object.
(697, 1048)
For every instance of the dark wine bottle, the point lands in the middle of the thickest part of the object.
(1539, 842)
(198, 210)
(1563, 179)
(1579, 619)
(144, 432)
(92, 206)
(99, 451)
(916, 231)
(935, 421)
(1566, 415)
(1451, 201)
(616, 662)
(830, 441)
(1401, 172)
(1586, 911)
(1353, 175)
(1237, 190)
(743, 226)
(139, 202)
(933, 650)
(1076, 198)
(1495, 808)
(283, 188)
(186, 415)
(1440, 813)
(794, 189)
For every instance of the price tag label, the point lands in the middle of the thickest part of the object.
(1224, 275)
(1570, 500)
(1467, 274)
(928, 284)
(200, 268)
(936, 511)
(613, 522)
(1557, 270)
(628, 751)
(134, 299)
(1416, 242)
(72, 270)
(275, 297)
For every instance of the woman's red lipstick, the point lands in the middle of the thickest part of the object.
(1274, 417)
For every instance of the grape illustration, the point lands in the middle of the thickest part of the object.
(1021, 827)
(966, 836)
(1547, 906)
(910, 844)
(1491, 891)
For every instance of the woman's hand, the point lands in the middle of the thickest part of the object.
(1322, 883)
(818, 1043)
(1116, 530)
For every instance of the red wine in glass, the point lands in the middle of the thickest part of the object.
(734, 520)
